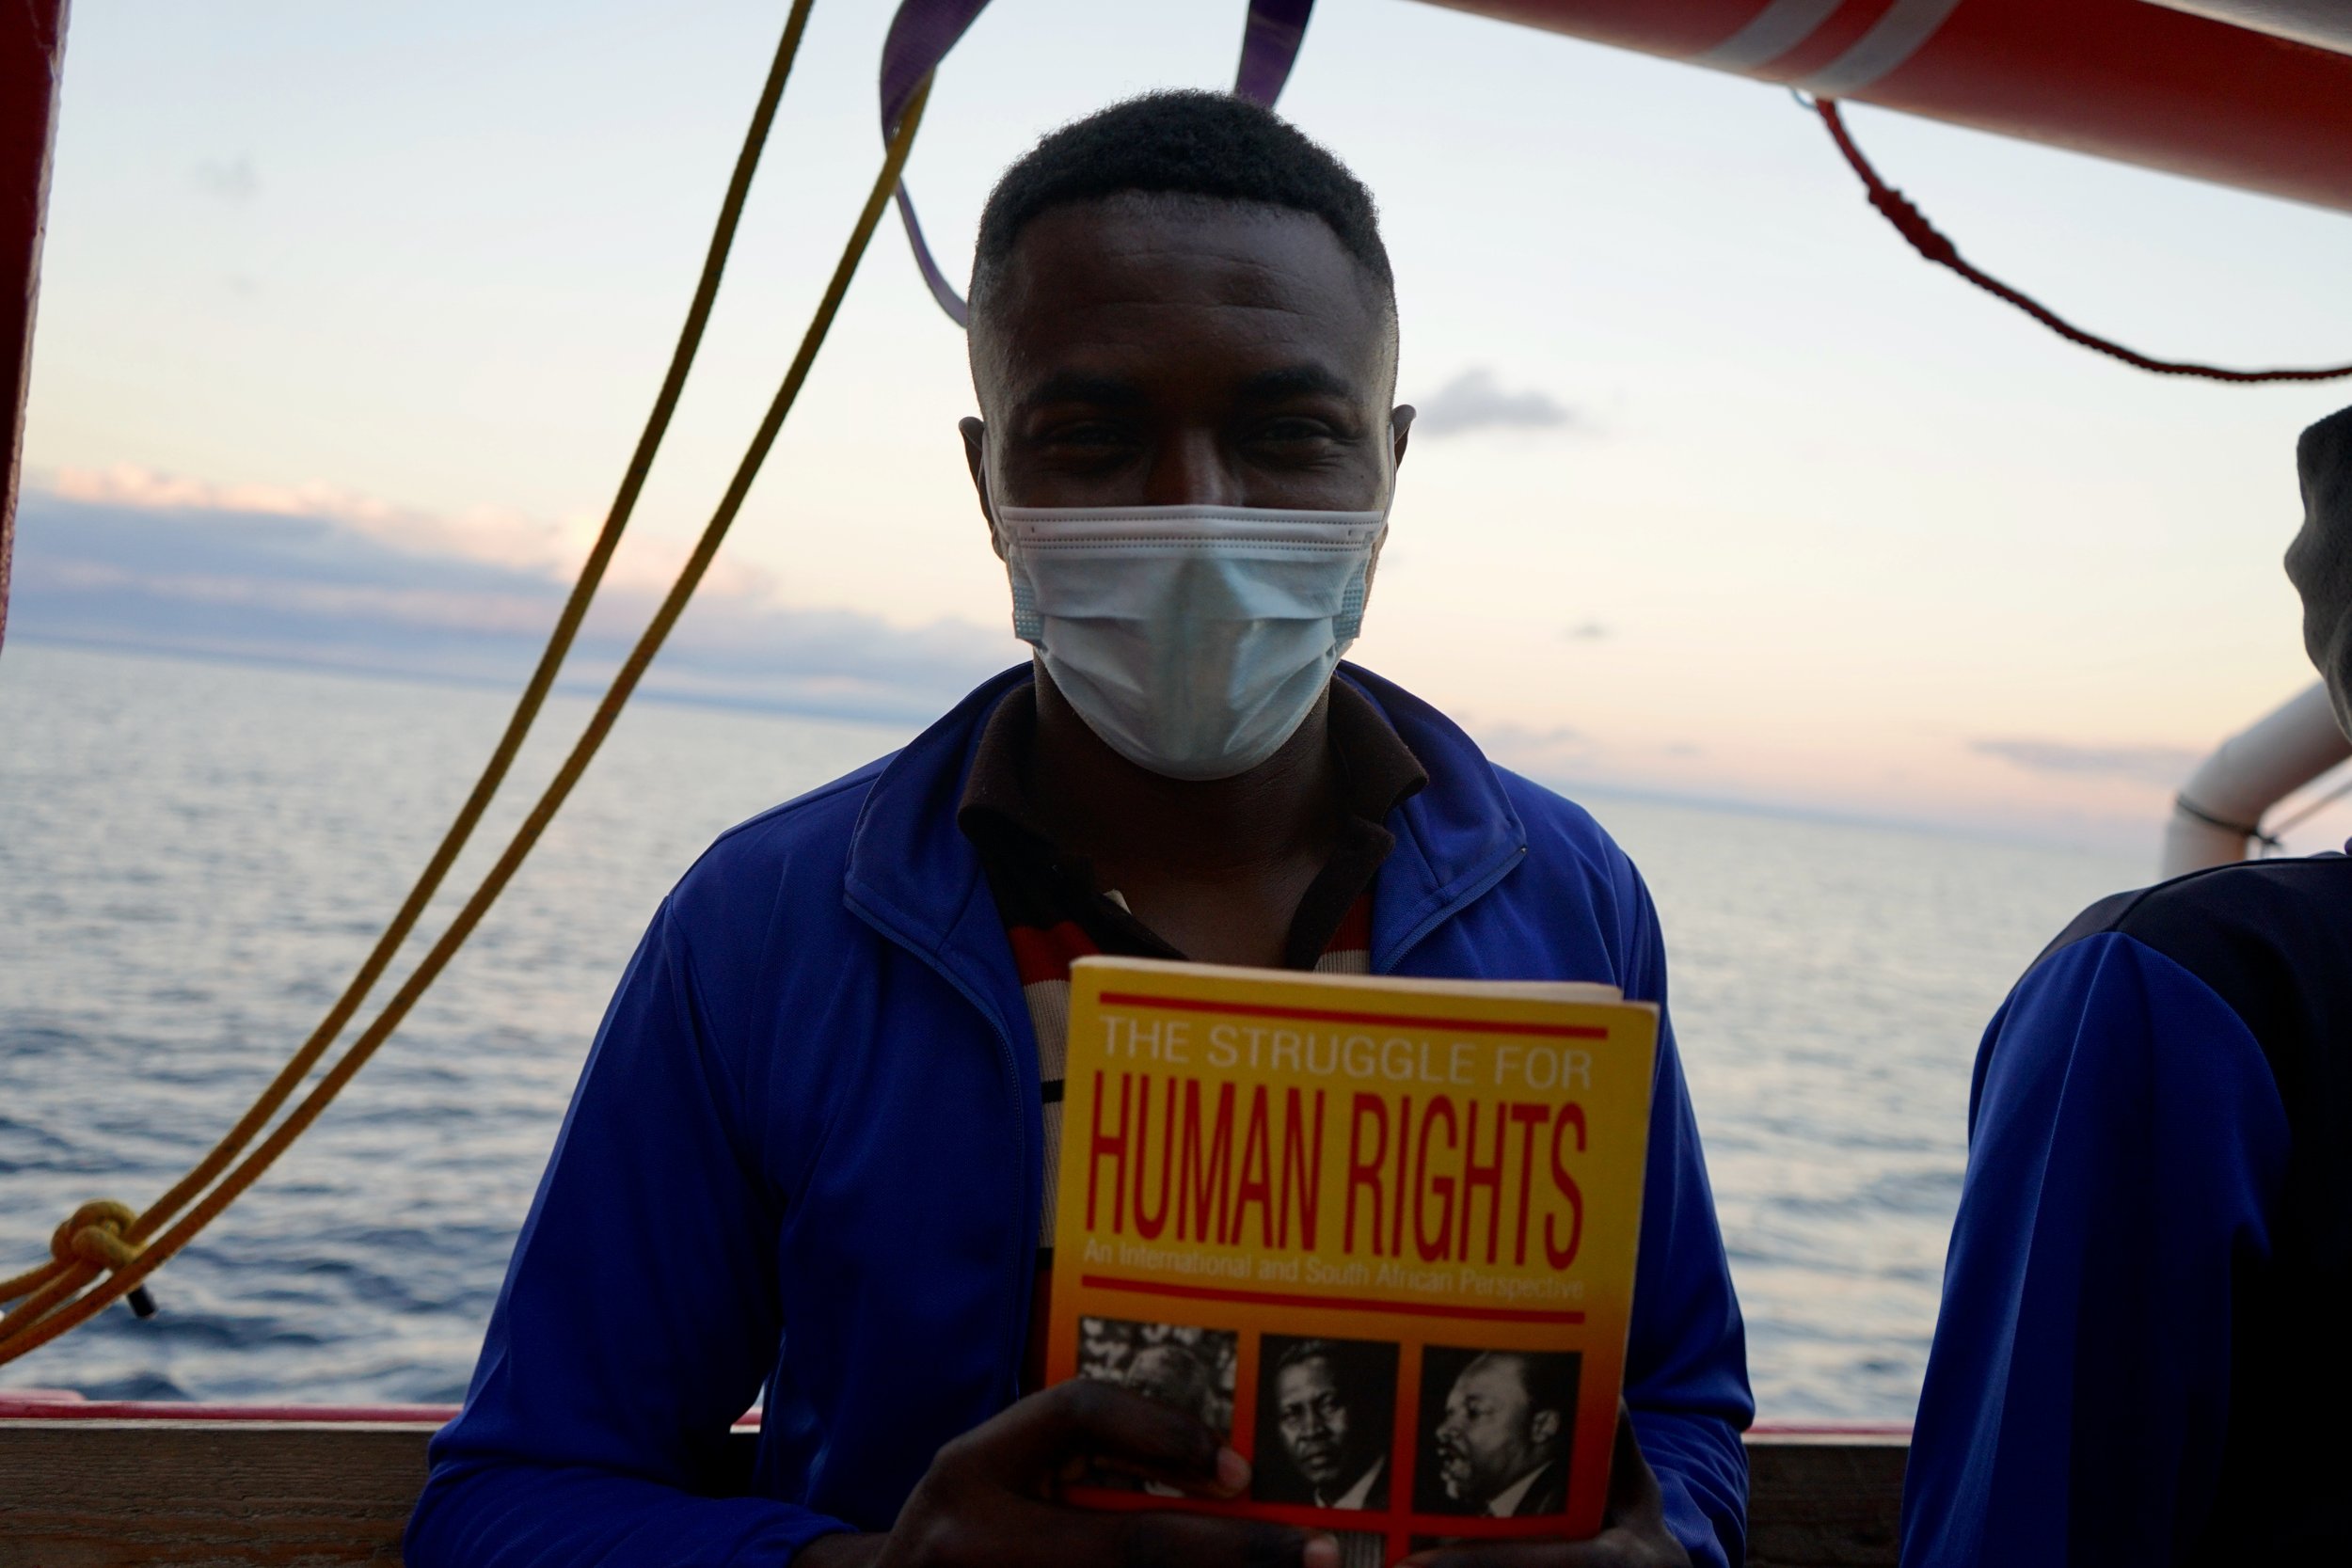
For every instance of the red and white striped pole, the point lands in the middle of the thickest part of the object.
(31, 63)
(2210, 95)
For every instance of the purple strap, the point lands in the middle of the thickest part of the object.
(924, 30)
(1269, 47)
(920, 36)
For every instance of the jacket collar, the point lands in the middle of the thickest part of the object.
(914, 872)
(1454, 839)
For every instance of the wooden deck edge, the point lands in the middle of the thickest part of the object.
(295, 1493)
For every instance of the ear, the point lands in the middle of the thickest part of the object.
(1545, 1427)
(975, 458)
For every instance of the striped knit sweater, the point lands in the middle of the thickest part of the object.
(1054, 914)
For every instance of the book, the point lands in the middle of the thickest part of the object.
(1377, 1232)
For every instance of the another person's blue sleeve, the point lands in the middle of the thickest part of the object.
(2126, 1144)
(1686, 1376)
(611, 1376)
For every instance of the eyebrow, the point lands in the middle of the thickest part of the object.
(1295, 380)
(1076, 386)
(1102, 392)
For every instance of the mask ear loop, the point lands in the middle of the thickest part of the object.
(1027, 625)
(1349, 624)
(1350, 620)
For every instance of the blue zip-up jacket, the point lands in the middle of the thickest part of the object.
(2140, 1359)
(803, 1158)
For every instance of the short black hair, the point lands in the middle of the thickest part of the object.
(1550, 1380)
(1182, 143)
(1365, 1372)
(1340, 1356)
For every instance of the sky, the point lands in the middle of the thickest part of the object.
(1718, 491)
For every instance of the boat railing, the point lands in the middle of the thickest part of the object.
(100, 1483)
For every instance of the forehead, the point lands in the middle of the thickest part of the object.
(1160, 288)
(1490, 1381)
(1314, 1373)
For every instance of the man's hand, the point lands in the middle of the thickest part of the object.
(1633, 1530)
(991, 1498)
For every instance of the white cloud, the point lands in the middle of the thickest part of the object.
(1547, 752)
(1475, 400)
(2158, 765)
(492, 535)
(231, 179)
(505, 539)
(316, 576)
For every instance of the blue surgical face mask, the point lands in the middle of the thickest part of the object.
(1194, 639)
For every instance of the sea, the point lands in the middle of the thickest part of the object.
(195, 855)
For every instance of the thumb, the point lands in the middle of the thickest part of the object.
(1633, 1490)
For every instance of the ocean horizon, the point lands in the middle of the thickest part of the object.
(195, 851)
(587, 684)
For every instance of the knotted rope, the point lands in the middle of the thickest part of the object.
(129, 1249)
(1913, 224)
(97, 1233)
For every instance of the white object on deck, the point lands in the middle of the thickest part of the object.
(2219, 811)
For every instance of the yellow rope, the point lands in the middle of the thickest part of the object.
(50, 1309)
(91, 1237)
(518, 725)
(18, 1337)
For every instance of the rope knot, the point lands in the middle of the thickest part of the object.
(1913, 225)
(96, 1233)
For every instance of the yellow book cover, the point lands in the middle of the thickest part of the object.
(1379, 1232)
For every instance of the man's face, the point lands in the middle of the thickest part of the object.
(1154, 351)
(1325, 1441)
(1489, 1437)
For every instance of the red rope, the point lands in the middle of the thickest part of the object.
(1913, 225)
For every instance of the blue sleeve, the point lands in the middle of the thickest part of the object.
(2125, 1145)
(638, 1320)
(1685, 1371)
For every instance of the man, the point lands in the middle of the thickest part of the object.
(1502, 1441)
(2141, 1357)
(806, 1162)
(1175, 1377)
(1334, 1413)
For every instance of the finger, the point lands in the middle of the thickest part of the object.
(1036, 1436)
(1518, 1554)
(1046, 1532)
(1122, 1431)
(1229, 1478)
(1187, 1540)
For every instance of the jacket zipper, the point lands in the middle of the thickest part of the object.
(1025, 1278)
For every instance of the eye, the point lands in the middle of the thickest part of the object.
(1294, 429)
(1082, 444)
(1090, 432)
